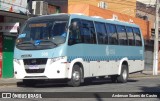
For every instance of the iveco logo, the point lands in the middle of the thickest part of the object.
(26, 55)
(33, 61)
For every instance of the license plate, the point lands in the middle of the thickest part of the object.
(33, 67)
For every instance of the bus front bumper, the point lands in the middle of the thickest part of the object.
(51, 70)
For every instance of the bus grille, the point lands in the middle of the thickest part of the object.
(34, 70)
(31, 62)
(41, 61)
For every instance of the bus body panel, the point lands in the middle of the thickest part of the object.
(96, 59)
(50, 69)
(106, 59)
(47, 53)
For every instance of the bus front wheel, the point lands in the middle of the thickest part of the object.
(75, 80)
(123, 77)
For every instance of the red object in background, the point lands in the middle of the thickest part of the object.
(11, 9)
(0, 55)
(1, 20)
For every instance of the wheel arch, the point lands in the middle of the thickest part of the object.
(123, 61)
(79, 62)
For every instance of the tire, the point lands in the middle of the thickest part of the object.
(75, 80)
(123, 77)
(114, 78)
(29, 82)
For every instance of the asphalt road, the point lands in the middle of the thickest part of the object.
(133, 85)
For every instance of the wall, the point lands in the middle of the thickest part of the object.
(146, 11)
(151, 17)
(151, 2)
(91, 2)
(16, 6)
(62, 4)
(52, 9)
(1, 20)
(122, 6)
(107, 14)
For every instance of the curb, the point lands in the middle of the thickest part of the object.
(9, 81)
(143, 76)
(8, 84)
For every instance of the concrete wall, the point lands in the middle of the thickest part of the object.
(122, 6)
(108, 14)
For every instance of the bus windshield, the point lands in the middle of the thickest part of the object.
(42, 35)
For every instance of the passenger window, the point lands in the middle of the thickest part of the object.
(101, 33)
(88, 32)
(122, 35)
(74, 32)
(137, 37)
(112, 33)
(130, 35)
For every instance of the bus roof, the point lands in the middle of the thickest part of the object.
(65, 16)
(59, 16)
(100, 19)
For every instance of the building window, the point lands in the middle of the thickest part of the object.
(102, 4)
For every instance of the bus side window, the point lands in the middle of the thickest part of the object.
(101, 33)
(88, 32)
(112, 33)
(130, 35)
(122, 35)
(74, 32)
(137, 37)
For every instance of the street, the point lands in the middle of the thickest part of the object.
(149, 84)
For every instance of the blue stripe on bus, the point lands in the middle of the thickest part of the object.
(103, 58)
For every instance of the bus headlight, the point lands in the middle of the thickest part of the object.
(56, 59)
(17, 61)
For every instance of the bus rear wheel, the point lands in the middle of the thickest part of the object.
(75, 80)
(123, 77)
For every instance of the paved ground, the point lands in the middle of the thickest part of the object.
(135, 84)
(144, 74)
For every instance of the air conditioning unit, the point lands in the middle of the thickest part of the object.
(40, 7)
(115, 17)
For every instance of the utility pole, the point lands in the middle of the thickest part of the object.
(156, 43)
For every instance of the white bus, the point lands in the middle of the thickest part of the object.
(75, 47)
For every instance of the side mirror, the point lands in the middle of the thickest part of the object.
(18, 30)
(70, 42)
(73, 26)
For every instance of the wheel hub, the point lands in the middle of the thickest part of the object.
(76, 75)
(124, 74)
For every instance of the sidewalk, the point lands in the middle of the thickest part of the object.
(144, 74)
(8, 81)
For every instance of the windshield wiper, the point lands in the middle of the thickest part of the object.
(50, 41)
(26, 42)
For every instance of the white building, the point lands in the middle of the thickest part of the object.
(150, 2)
